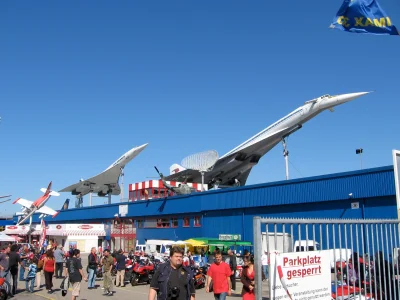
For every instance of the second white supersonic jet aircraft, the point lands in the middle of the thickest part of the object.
(233, 168)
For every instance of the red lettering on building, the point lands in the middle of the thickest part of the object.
(85, 227)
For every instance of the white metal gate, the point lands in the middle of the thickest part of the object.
(363, 257)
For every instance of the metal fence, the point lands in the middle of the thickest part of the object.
(363, 257)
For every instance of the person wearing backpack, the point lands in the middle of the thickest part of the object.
(75, 273)
(172, 280)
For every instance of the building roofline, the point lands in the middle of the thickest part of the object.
(247, 187)
(295, 181)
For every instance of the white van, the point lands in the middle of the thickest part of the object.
(304, 245)
(139, 248)
(154, 247)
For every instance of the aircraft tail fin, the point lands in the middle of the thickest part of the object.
(48, 191)
(175, 168)
(65, 205)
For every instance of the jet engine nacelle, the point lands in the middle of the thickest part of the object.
(75, 192)
(102, 193)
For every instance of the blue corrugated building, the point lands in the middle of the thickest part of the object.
(231, 211)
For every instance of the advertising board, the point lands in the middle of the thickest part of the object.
(300, 275)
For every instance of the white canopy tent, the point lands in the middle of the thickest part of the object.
(5, 238)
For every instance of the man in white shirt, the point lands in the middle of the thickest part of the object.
(264, 262)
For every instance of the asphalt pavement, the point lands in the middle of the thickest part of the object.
(139, 292)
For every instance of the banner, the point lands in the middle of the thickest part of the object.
(300, 275)
(363, 16)
(43, 235)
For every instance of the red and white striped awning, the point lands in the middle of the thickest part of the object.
(159, 184)
(97, 232)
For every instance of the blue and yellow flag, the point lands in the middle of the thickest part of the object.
(363, 16)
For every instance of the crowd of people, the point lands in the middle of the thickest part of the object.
(174, 279)
(28, 265)
(49, 261)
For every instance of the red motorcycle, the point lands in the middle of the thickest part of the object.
(199, 278)
(142, 272)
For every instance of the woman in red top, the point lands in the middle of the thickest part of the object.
(247, 279)
(48, 268)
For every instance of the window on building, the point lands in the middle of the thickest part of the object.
(139, 224)
(163, 223)
(133, 195)
(174, 222)
(197, 221)
(155, 193)
(186, 222)
(150, 223)
(162, 193)
(150, 193)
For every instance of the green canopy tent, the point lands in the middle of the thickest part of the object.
(224, 244)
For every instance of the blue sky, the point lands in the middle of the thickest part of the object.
(85, 81)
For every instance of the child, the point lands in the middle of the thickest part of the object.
(31, 275)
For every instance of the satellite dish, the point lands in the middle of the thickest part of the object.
(201, 162)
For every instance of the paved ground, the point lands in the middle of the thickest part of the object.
(128, 292)
(139, 292)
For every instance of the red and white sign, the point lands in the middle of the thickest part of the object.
(300, 273)
(16, 230)
(56, 230)
(85, 227)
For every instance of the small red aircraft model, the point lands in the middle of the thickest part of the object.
(31, 207)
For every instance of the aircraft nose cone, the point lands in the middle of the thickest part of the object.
(141, 148)
(348, 97)
(339, 99)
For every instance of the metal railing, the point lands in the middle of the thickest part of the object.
(363, 254)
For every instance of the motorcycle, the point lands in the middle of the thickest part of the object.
(199, 278)
(351, 292)
(142, 272)
(128, 271)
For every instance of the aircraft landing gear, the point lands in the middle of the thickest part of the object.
(286, 156)
(79, 201)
